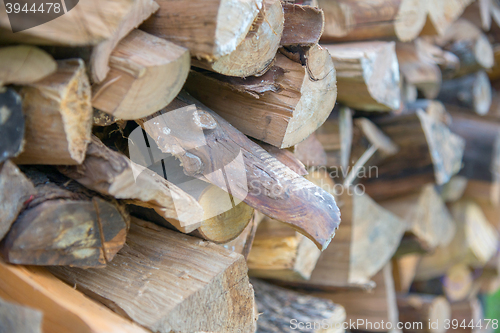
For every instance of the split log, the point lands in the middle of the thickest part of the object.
(255, 54)
(310, 152)
(11, 124)
(354, 257)
(282, 107)
(417, 71)
(348, 20)
(139, 11)
(146, 74)
(423, 313)
(469, 44)
(179, 276)
(469, 311)
(24, 65)
(404, 269)
(375, 311)
(287, 157)
(63, 224)
(16, 318)
(303, 26)
(428, 153)
(279, 252)
(82, 23)
(426, 216)
(441, 14)
(210, 149)
(474, 244)
(64, 309)
(285, 311)
(16, 190)
(58, 116)
(367, 85)
(111, 173)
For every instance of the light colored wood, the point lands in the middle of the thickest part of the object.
(281, 253)
(282, 107)
(16, 190)
(243, 243)
(64, 309)
(24, 65)
(164, 281)
(350, 20)
(208, 147)
(146, 73)
(458, 283)
(441, 14)
(209, 30)
(310, 152)
(88, 23)
(279, 307)
(139, 11)
(111, 173)
(404, 269)
(454, 189)
(16, 318)
(304, 25)
(424, 313)
(58, 116)
(367, 75)
(254, 55)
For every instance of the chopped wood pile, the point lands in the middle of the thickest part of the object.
(159, 159)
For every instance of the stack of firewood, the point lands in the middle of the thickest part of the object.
(155, 153)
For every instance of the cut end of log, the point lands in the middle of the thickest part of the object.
(481, 91)
(24, 65)
(410, 19)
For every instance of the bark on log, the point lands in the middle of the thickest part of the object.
(425, 313)
(282, 107)
(348, 20)
(11, 124)
(63, 224)
(15, 318)
(278, 306)
(16, 190)
(303, 26)
(58, 116)
(371, 85)
(24, 65)
(179, 276)
(286, 157)
(64, 309)
(146, 74)
(255, 177)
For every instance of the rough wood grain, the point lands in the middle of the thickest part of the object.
(304, 25)
(58, 116)
(255, 176)
(282, 107)
(164, 280)
(24, 65)
(421, 310)
(146, 73)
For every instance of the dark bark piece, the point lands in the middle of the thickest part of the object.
(64, 224)
(16, 318)
(303, 25)
(16, 190)
(11, 124)
(255, 176)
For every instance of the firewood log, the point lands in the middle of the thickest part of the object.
(468, 311)
(279, 307)
(279, 252)
(479, 13)
(370, 308)
(448, 62)
(64, 309)
(426, 216)
(11, 124)
(63, 224)
(179, 276)
(24, 65)
(286, 157)
(303, 25)
(424, 313)
(210, 150)
(58, 116)
(475, 243)
(349, 20)
(15, 318)
(255, 54)
(84, 23)
(428, 152)
(454, 189)
(282, 107)
(424, 75)
(469, 44)
(367, 85)
(458, 283)
(146, 73)
(441, 14)
(139, 11)
(243, 243)
(310, 152)
(111, 173)
(16, 190)
(404, 269)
